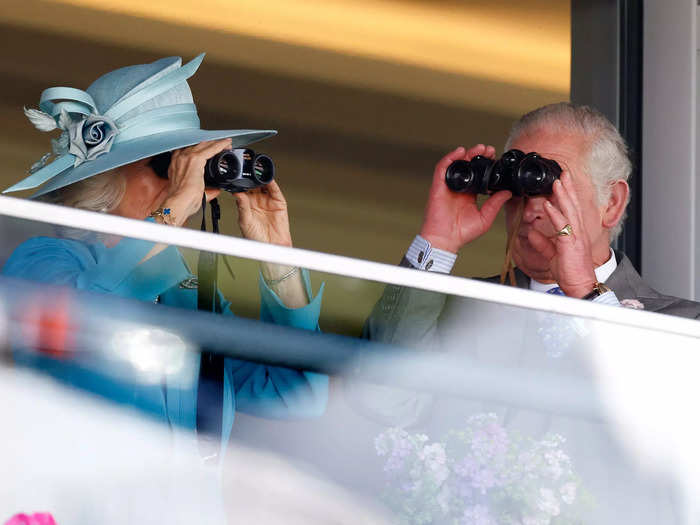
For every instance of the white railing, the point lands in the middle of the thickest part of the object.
(340, 265)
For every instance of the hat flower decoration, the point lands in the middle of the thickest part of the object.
(126, 115)
(86, 138)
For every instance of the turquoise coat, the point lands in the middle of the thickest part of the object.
(253, 388)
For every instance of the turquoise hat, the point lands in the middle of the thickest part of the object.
(126, 115)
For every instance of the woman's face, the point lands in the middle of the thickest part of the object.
(145, 191)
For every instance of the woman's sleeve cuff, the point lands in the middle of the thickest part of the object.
(272, 309)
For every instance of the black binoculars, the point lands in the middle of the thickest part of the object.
(522, 174)
(232, 170)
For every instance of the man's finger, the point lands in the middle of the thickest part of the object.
(557, 217)
(542, 244)
(489, 152)
(568, 182)
(566, 205)
(472, 152)
(444, 162)
(492, 205)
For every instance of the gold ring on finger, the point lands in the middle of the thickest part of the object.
(566, 231)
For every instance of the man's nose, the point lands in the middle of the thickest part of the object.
(534, 209)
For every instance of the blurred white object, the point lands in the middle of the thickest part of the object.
(88, 462)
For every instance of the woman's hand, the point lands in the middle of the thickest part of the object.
(262, 215)
(186, 176)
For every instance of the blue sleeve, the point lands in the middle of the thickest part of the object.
(66, 262)
(278, 392)
(117, 270)
(48, 260)
(273, 310)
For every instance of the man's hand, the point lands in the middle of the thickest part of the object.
(453, 219)
(571, 259)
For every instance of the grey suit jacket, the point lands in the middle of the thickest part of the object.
(510, 337)
(406, 316)
(409, 317)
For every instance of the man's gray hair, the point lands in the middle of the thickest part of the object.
(608, 156)
(101, 193)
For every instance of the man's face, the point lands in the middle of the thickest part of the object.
(569, 151)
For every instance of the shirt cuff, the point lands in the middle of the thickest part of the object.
(608, 298)
(423, 256)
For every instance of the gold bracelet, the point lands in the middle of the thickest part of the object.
(286, 276)
(164, 213)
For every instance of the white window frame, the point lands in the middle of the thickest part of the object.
(340, 265)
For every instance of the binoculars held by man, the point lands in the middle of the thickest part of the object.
(232, 170)
(522, 174)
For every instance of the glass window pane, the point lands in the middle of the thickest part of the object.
(449, 408)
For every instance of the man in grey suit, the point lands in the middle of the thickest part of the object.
(591, 198)
(563, 243)
(561, 247)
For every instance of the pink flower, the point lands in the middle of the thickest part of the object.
(632, 303)
(38, 518)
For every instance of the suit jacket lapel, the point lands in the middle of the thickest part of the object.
(628, 284)
(624, 281)
(521, 280)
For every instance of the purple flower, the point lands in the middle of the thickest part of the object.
(536, 520)
(464, 489)
(484, 479)
(435, 460)
(557, 463)
(568, 492)
(479, 477)
(548, 502)
(397, 444)
(443, 499)
(477, 515)
(483, 476)
(490, 441)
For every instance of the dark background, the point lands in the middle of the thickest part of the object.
(358, 135)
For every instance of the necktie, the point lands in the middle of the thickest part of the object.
(556, 331)
(556, 291)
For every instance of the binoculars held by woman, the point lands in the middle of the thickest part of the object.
(522, 174)
(232, 170)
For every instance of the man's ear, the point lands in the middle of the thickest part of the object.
(615, 207)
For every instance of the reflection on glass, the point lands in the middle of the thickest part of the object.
(456, 411)
(154, 353)
(133, 361)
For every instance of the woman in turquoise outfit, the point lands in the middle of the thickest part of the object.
(101, 162)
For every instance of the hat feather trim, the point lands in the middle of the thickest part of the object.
(41, 121)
